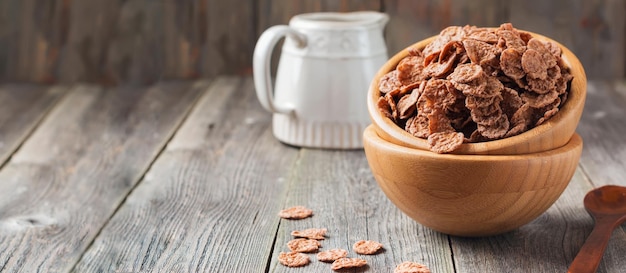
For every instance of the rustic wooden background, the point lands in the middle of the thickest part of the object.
(143, 41)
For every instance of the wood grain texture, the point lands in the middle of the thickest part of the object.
(231, 35)
(603, 128)
(64, 183)
(594, 30)
(22, 107)
(142, 41)
(607, 206)
(412, 21)
(72, 198)
(210, 202)
(31, 33)
(535, 246)
(137, 41)
(339, 188)
(470, 195)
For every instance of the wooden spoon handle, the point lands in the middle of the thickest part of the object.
(590, 254)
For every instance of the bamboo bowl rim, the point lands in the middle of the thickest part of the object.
(569, 112)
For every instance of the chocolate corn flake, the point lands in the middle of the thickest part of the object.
(332, 255)
(296, 212)
(534, 65)
(303, 245)
(475, 84)
(511, 63)
(310, 233)
(367, 247)
(445, 142)
(293, 259)
(411, 267)
(344, 263)
(389, 82)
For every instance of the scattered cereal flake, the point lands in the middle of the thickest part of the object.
(480, 117)
(445, 142)
(522, 118)
(407, 104)
(393, 105)
(546, 54)
(540, 86)
(411, 267)
(389, 82)
(347, 263)
(539, 100)
(483, 35)
(439, 122)
(418, 125)
(466, 73)
(525, 36)
(384, 107)
(304, 245)
(296, 212)
(511, 63)
(310, 233)
(511, 101)
(491, 87)
(481, 52)
(293, 259)
(553, 48)
(367, 247)
(332, 255)
(478, 102)
(549, 111)
(410, 70)
(534, 65)
(496, 130)
(512, 38)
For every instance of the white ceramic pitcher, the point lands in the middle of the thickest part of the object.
(326, 65)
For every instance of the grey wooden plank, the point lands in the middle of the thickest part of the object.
(593, 30)
(85, 52)
(412, 21)
(22, 107)
(31, 34)
(620, 87)
(66, 181)
(339, 187)
(139, 41)
(547, 244)
(603, 127)
(209, 202)
(230, 37)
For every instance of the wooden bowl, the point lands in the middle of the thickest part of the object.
(470, 195)
(554, 133)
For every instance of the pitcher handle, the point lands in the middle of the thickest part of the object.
(261, 65)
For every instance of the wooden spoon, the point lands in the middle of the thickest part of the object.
(607, 205)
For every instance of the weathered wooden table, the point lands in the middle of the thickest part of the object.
(187, 177)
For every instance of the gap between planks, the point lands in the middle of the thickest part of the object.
(203, 84)
(5, 159)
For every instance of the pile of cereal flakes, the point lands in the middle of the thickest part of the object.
(475, 84)
(308, 241)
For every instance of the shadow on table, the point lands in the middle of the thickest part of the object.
(547, 244)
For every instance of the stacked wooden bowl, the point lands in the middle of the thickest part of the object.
(483, 188)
